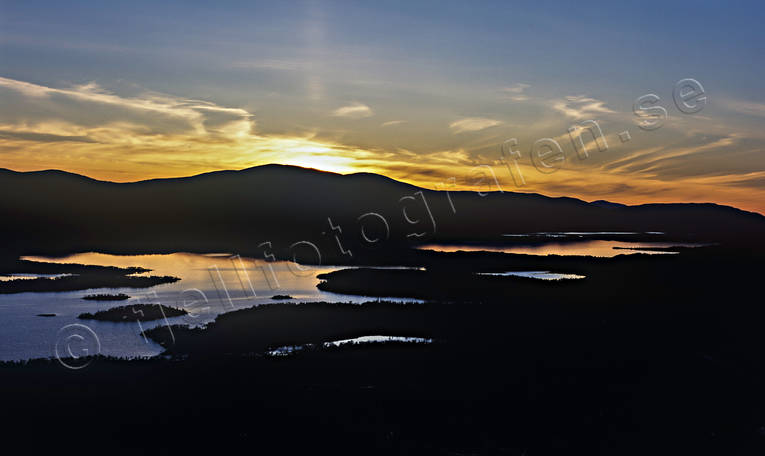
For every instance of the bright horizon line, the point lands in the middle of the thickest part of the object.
(501, 190)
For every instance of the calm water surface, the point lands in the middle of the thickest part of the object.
(290, 349)
(597, 248)
(209, 285)
(541, 275)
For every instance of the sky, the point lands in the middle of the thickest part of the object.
(463, 95)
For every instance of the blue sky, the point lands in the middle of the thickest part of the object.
(420, 91)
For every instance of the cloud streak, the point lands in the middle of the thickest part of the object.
(580, 106)
(390, 123)
(749, 108)
(516, 92)
(90, 104)
(353, 111)
(470, 124)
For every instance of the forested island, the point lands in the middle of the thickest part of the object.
(136, 312)
(106, 297)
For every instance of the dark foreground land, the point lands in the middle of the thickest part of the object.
(650, 355)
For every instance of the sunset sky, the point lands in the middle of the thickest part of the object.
(422, 93)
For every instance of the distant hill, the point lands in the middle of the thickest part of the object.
(236, 211)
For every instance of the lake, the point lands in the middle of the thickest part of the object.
(541, 275)
(592, 247)
(210, 285)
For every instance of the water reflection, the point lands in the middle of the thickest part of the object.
(209, 285)
(564, 234)
(542, 275)
(26, 276)
(377, 339)
(363, 340)
(597, 248)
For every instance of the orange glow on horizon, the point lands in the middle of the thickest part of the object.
(98, 133)
(459, 178)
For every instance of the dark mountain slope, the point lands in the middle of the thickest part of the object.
(236, 211)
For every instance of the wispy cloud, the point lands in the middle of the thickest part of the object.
(653, 161)
(392, 122)
(516, 92)
(472, 124)
(745, 107)
(89, 104)
(354, 111)
(580, 106)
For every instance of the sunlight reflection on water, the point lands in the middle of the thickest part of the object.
(597, 248)
(209, 285)
(542, 275)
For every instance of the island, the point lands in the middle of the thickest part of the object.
(280, 297)
(106, 297)
(136, 312)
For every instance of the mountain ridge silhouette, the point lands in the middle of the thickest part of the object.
(237, 210)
